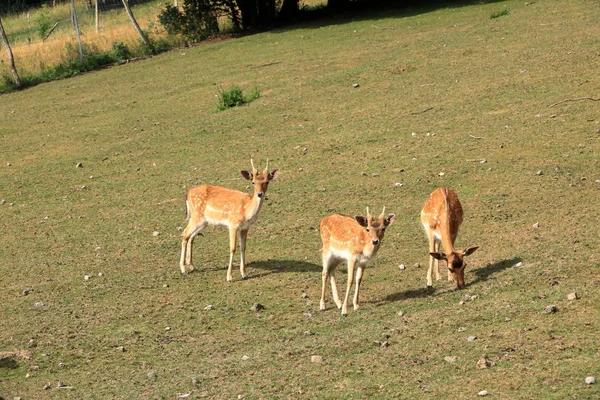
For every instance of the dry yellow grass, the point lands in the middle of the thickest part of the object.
(32, 55)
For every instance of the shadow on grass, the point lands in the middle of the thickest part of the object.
(491, 269)
(408, 294)
(373, 10)
(8, 362)
(482, 274)
(267, 267)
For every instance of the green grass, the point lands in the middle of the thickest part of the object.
(234, 96)
(146, 131)
(500, 13)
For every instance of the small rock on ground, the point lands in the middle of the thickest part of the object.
(152, 375)
(245, 358)
(256, 307)
(551, 309)
(482, 393)
(209, 307)
(316, 359)
(485, 362)
(450, 359)
(573, 296)
(471, 338)
(590, 380)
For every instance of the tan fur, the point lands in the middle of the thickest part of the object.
(217, 205)
(345, 239)
(441, 217)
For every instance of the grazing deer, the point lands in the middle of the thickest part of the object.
(441, 217)
(216, 205)
(354, 240)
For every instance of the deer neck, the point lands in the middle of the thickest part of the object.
(369, 249)
(446, 231)
(253, 207)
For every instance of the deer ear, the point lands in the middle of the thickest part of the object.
(389, 219)
(439, 256)
(273, 174)
(470, 251)
(362, 221)
(246, 175)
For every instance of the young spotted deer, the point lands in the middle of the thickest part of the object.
(354, 240)
(216, 205)
(441, 217)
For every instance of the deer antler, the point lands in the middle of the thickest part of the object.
(253, 167)
(369, 217)
(382, 213)
(267, 167)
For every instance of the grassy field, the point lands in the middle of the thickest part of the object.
(441, 90)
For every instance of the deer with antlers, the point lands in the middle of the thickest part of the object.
(441, 217)
(216, 205)
(355, 240)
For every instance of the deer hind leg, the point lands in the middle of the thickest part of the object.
(232, 241)
(351, 265)
(190, 232)
(359, 276)
(336, 298)
(436, 262)
(243, 237)
(329, 265)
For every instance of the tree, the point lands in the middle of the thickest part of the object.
(11, 60)
(135, 24)
(289, 9)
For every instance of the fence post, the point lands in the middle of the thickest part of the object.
(97, 15)
(77, 30)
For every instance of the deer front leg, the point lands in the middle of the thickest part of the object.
(359, 276)
(436, 263)
(232, 239)
(243, 237)
(325, 276)
(431, 259)
(351, 263)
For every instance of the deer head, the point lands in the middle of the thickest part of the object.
(260, 181)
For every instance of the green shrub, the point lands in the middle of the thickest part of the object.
(172, 20)
(120, 51)
(196, 22)
(43, 23)
(233, 97)
(498, 14)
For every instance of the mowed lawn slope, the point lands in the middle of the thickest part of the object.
(446, 97)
